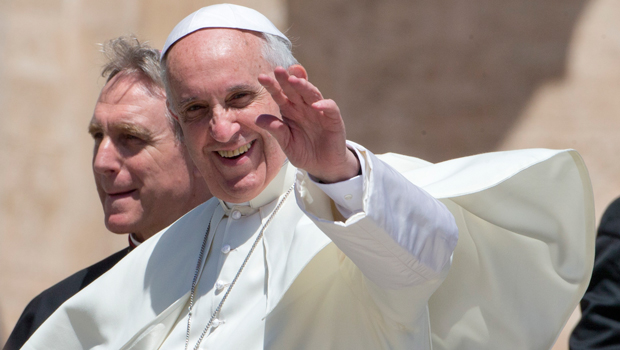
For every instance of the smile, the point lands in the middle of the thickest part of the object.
(234, 153)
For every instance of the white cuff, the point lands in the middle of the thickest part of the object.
(346, 194)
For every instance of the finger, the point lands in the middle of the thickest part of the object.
(308, 92)
(328, 106)
(276, 127)
(283, 78)
(271, 85)
(330, 110)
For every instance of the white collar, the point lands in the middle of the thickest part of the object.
(280, 184)
(133, 241)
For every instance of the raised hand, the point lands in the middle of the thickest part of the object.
(311, 131)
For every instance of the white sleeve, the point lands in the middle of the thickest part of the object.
(346, 194)
(401, 237)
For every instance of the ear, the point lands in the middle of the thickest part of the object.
(299, 71)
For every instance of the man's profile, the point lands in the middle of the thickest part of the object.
(144, 176)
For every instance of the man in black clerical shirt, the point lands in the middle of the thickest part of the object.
(144, 175)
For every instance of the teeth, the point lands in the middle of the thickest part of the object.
(234, 153)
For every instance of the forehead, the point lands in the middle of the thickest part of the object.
(126, 99)
(216, 53)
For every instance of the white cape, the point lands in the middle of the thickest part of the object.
(525, 251)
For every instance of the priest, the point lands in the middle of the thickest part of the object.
(313, 242)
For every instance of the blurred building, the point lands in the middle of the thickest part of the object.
(435, 79)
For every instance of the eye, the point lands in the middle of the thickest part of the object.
(240, 99)
(131, 139)
(97, 135)
(239, 95)
(194, 108)
(194, 112)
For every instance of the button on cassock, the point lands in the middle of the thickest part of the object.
(236, 215)
(225, 249)
(219, 285)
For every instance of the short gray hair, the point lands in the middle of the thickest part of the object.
(275, 50)
(127, 55)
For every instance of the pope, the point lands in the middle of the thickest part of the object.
(314, 242)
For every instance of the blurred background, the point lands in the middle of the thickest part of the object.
(436, 79)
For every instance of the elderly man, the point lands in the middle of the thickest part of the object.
(357, 259)
(144, 176)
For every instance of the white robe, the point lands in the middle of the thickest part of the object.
(523, 260)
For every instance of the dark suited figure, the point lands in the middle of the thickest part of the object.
(144, 175)
(599, 327)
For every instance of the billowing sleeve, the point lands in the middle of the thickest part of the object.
(525, 250)
(525, 246)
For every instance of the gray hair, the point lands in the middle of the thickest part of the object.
(127, 55)
(275, 50)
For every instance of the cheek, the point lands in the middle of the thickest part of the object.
(195, 134)
(100, 190)
(271, 145)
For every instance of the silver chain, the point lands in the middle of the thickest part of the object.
(199, 263)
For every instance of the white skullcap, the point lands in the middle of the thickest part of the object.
(222, 16)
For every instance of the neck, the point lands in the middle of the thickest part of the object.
(134, 240)
(276, 187)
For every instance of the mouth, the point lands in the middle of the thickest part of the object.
(120, 194)
(237, 152)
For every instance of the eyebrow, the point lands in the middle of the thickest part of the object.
(236, 88)
(242, 87)
(94, 127)
(128, 128)
(134, 129)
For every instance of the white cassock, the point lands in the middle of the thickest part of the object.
(318, 281)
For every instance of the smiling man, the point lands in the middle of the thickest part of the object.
(248, 123)
(144, 176)
(359, 258)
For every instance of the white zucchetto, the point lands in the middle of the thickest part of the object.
(222, 16)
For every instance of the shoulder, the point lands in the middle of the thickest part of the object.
(44, 304)
(66, 288)
(610, 222)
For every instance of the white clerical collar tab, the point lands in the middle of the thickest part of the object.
(277, 187)
(222, 16)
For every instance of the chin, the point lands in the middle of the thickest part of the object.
(241, 191)
(120, 227)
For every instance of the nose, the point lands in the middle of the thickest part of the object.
(106, 159)
(224, 125)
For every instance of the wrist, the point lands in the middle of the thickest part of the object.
(349, 169)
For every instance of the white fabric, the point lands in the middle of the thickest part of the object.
(522, 263)
(222, 16)
(346, 194)
(245, 308)
(133, 239)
